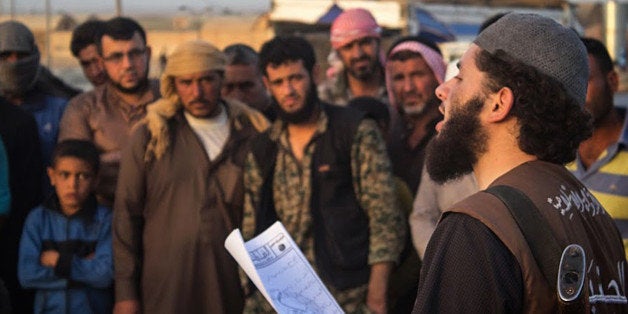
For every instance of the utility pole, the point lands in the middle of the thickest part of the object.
(48, 30)
(118, 7)
(615, 31)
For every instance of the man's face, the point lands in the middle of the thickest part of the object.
(413, 85)
(600, 90)
(291, 86)
(73, 180)
(360, 57)
(126, 62)
(92, 65)
(244, 82)
(200, 93)
(461, 138)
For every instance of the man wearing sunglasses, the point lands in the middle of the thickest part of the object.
(107, 114)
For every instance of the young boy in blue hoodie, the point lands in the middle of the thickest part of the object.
(65, 250)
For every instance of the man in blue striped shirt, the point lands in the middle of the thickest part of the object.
(602, 160)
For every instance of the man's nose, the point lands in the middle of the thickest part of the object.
(408, 85)
(197, 89)
(357, 51)
(441, 91)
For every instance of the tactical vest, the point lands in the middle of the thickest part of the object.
(595, 233)
(341, 230)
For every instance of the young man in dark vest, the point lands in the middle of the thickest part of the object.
(323, 171)
(514, 115)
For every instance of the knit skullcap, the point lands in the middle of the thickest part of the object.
(542, 43)
(353, 24)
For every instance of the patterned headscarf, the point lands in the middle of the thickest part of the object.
(353, 24)
(188, 58)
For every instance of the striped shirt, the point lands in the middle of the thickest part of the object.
(607, 179)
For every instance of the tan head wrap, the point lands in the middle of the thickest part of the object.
(188, 58)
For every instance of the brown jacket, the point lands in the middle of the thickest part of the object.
(102, 117)
(172, 215)
(574, 216)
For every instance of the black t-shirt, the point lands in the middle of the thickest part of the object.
(467, 269)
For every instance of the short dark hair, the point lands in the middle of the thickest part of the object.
(87, 33)
(241, 54)
(282, 49)
(121, 28)
(80, 149)
(551, 122)
(405, 55)
(599, 52)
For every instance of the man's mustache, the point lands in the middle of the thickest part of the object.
(356, 60)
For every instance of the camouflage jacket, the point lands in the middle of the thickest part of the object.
(374, 189)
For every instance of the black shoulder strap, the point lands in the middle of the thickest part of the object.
(535, 229)
(265, 153)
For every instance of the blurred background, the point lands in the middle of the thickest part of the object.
(453, 24)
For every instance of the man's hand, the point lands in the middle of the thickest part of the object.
(49, 258)
(376, 297)
(127, 307)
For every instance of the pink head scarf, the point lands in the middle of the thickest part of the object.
(353, 24)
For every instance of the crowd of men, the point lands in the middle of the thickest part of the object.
(403, 188)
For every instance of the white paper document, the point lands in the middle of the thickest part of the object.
(278, 268)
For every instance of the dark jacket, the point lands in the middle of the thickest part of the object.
(21, 141)
(341, 225)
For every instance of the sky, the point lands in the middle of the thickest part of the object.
(133, 6)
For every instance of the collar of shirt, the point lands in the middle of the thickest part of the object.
(133, 111)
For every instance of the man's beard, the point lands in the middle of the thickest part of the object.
(301, 115)
(366, 73)
(141, 86)
(418, 110)
(453, 152)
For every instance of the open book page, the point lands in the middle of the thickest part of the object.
(278, 268)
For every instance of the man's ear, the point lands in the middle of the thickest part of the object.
(149, 52)
(266, 83)
(500, 104)
(612, 79)
(51, 175)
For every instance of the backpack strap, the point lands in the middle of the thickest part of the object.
(535, 229)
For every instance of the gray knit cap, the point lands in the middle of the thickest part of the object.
(544, 44)
(15, 36)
